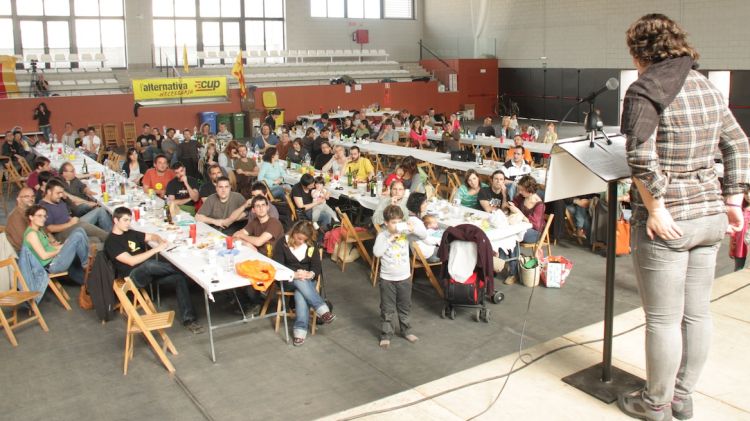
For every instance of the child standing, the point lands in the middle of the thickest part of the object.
(392, 247)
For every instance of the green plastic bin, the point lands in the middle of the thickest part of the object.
(238, 122)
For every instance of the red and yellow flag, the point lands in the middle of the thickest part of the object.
(8, 83)
(238, 71)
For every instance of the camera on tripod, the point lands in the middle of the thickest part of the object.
(34, 64)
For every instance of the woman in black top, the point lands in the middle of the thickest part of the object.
(297, 153)
(299, 252)
(134, 166)
(325, 156)
(42, 115)
(347, 130)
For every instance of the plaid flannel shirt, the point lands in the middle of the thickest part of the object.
(677, 164)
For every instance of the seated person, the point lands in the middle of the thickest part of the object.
(96, 223)
(396, 175)
(515, 168)
(325, 155)
(182, 190)
(360, 167)
(158, 177)
(320, 191)
(224, 210)
(297, 153)
(579, 210)
(208, 188)
(262, 231)
(298, 251)
(486, 128)
(518, 141)
(68, 256)
(303, 200)
(468, 192)
(134, 166)
(91, 143)
(451, 138)
(17, 221)
(77, 192)
(265, 139)
(418, 135)
(388, 133)
(245, 169)
(40, 164)
(532, 207)
(424, 228)
(13, 149)
(494, 197)
(397, 196)
(126, 248)
(272, 172)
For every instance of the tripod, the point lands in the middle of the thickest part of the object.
(594, 125)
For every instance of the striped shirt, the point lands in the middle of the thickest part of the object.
(678, 163)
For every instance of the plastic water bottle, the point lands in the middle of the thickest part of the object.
(307, 159)
(256, 151)
(230, 262)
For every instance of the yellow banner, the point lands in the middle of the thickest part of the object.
(182, 87)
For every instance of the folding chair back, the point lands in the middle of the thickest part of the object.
(13, 177)
(146, 323)
(292, 207)
(418, 260)
(25, 168)
(17, 294)
(543, 239)
(110, 134)
(129, 133)
(350, 235)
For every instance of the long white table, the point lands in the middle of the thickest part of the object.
(200, 261)
(501, 237)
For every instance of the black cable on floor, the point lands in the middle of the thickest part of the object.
(512, 370)
(193, 398)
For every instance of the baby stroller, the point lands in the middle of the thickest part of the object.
(468, 277)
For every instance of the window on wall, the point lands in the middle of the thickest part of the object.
(218, 28)
(49, 30)
(175, 29)
(362, 9)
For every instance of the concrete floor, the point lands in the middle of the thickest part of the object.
(75, 370)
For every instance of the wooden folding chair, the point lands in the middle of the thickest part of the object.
(19, 293)
(543, 239)
(145, 324)
(288, 295)
(2, 190)
(129, 133)
(13, 177)
(110, 137)
(57, 289)
(375, 267)
(292, 207)
(350, 236)
(418, 261)
(25, 168)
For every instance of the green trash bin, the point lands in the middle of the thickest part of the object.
(226, 119)
(238, 121)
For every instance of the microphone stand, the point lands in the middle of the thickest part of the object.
(592, 124)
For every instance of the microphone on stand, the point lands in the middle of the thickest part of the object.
(593, 120)
(611, 85)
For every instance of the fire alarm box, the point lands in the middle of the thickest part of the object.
(361, 36)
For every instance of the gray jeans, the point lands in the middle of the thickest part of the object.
(395, 300)
(674, 281)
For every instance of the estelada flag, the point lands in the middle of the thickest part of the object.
(8, 83)
(238, 71)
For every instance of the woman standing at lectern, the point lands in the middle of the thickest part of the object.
(674, 120)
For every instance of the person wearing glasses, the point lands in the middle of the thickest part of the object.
(54, 256)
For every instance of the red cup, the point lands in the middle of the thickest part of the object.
(137, 214)
(193, 232)
(104, 186)
(230, 242)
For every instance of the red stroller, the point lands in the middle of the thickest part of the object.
(468, 276)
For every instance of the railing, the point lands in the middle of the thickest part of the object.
(446, 74)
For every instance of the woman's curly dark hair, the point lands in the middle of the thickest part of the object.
(655, 37)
